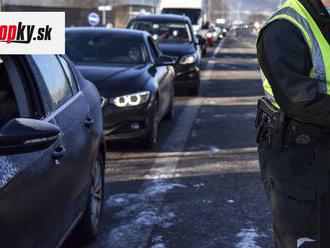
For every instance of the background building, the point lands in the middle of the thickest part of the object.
(77, 10)
(124, 10)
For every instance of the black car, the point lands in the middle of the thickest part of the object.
(52, 153)
(132, 75)
(175, 37)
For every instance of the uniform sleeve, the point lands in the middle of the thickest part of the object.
(285, 59)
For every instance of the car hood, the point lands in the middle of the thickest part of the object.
(177, 50)
(112, 81)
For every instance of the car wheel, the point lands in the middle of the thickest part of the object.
(89, 225)
(152, 137)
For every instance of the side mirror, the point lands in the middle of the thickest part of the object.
(22, 135)
(164, 60)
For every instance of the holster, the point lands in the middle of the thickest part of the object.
(270, 124)
(276, 130)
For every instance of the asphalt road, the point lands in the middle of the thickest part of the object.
(200, 187)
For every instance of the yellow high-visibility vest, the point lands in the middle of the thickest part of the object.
(294, 12)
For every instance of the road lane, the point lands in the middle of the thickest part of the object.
(200, 186)
(223, 204)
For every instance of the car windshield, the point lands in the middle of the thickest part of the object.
(193, 14)
(165, 32)
(97, 48)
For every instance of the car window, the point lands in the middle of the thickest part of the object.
(69, 74)
(8, 102)
(55, 79)
(153, 49)
(16, 97)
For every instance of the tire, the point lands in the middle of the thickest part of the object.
(89, 225)
(152, 137)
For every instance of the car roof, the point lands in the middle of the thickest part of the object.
(162, 17)
(127, 34)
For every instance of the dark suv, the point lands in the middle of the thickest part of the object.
(52, 152)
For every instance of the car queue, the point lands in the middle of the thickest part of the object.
(138, 71)
(56, 116)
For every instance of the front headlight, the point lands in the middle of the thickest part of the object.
(188, 60)
(131, 100)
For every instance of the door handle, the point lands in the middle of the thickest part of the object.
(89, 122)
(59, 152)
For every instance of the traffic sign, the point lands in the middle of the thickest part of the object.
(105, 8)
(93, 19)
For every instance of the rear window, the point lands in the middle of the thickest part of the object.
(89, 48)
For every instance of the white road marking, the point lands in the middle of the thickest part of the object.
(132, 231)
(199, 185)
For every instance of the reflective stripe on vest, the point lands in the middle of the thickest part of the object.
(294, 11)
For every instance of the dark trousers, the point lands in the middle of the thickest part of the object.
(296, 183)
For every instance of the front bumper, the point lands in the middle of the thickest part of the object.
(187, 77)
(127, 123)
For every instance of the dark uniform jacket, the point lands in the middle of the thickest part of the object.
(285, 59)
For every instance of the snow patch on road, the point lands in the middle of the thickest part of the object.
(151, 218)
(198, 185)
(248, 238)
(138, 212)
(159, 245)
(162, 188)
(120, 200)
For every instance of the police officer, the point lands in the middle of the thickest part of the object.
(294, 122)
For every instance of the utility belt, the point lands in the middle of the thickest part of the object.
(277, 131)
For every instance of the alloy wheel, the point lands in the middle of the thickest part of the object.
(96, 194)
